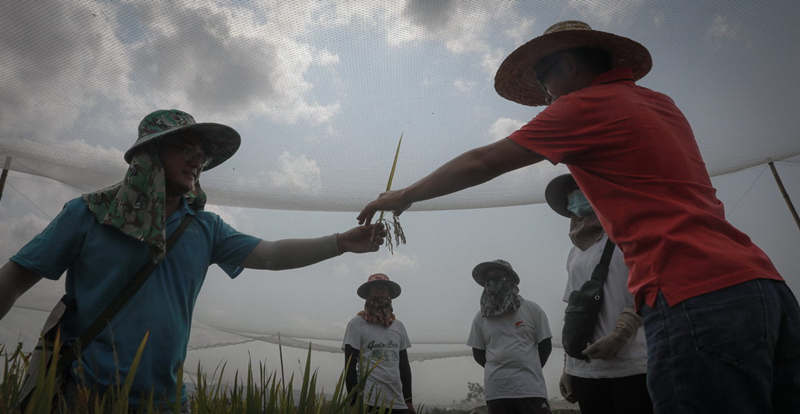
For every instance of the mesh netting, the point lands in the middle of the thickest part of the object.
(320, 92)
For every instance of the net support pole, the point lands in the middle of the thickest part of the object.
(4, 175)
(783, 193)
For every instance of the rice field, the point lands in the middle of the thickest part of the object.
(255, 391)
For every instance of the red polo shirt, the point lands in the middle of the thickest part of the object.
(633, 154)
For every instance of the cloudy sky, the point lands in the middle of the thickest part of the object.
(320, 92)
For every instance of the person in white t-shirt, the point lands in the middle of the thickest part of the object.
(612, 378)
(375, 335)
(510, 339)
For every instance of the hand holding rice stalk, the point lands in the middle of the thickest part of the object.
(399, 236)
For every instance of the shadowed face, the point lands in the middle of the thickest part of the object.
(560, 74)
(183, 160)
(378, 291)
(496, 277)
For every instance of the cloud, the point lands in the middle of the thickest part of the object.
(463, 85)
(298, 173)
(460, 26)
(430, 15)
(490, 61)
(57, 58)
(658, 19)
(522, 30)
(79, 146)
(503, 127)
(605, 11)
(326, 58)
(224, 64)
(93, 69)
(721, 29)
(18, 231)
(389, 264)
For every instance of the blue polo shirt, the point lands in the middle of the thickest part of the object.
(100, 261)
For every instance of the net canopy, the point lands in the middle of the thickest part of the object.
(320, 92)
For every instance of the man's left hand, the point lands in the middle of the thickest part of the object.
(606, 347)
(410, 407)
(362, 239)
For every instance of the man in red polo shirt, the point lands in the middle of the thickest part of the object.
(723, 329)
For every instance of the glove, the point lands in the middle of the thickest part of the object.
(608, 346)
(565, 386)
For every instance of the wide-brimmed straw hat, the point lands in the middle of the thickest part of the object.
(516, 79)
(481, 272)
(375, 280)
(219, 141)
(557, 191)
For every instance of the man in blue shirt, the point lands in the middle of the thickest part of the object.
(103, 238)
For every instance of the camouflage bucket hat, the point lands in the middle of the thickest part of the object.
(220, 142)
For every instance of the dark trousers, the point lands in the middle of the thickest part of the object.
(625, 395)
(734, 350)
(518, 406)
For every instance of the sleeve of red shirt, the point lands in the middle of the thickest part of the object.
(564, 131)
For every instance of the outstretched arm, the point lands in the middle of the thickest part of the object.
(14, 281)
(294, 253)
(467, 170)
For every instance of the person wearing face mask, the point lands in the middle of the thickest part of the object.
(613, 377)
(136, 254)
(510, 339)
(377, 336)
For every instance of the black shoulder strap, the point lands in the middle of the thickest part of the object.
(124, 296)
(601, 270)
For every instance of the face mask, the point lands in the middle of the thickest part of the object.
(578, 205)
(585, 231)
(500, 297)
(378, 310)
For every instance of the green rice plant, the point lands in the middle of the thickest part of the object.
(257, 391)
(13, 373)
(41, 401)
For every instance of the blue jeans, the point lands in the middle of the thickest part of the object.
(735, 350)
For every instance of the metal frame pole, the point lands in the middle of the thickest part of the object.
(4, 175)
(784, 194)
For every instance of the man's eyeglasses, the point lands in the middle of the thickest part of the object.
(191, 152)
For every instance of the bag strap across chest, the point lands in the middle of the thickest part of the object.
(600, 272)
(122, 298)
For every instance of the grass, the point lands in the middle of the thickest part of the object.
(256, 391)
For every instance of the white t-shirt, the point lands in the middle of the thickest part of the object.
(512, 369)
(632, 358)
(377, 343)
